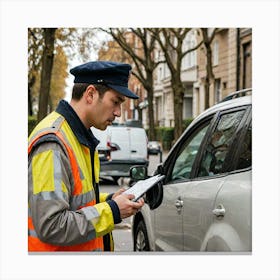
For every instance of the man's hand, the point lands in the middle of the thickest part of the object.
(126, 206)
(120, 191)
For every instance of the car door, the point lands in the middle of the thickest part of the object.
(209, 177)
(194, 177)
(169, 216)
(232, 228)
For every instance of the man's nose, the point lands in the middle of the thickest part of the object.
(117, 112)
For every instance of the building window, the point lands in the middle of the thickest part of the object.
(217, 88)
(215, 53)
(189, 60)
(187, 103)
(166, 71)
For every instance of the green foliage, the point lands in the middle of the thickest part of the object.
(32, 121)
(165, 135)
(187, 122)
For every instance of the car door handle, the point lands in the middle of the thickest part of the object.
(219, 211)
(179, 203)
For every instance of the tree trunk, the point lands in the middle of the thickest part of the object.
(209, 75)
(30, 103)
(209, 69)
(47, 65)
(206, 93)
(178, 92)
(150, 95)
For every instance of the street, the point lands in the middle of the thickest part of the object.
(122, 233)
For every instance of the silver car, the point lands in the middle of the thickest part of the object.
(204, 202)
(154, 148)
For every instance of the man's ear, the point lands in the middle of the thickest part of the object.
(90, 94)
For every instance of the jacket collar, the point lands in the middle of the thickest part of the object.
(83, 134)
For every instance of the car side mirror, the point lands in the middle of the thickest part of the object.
(138, 172)
(154, 195)
(159, 169)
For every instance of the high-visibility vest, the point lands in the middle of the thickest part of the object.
(79, 156)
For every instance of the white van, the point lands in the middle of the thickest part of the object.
(120, 148)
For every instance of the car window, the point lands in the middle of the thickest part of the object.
(245, 158)
(219, 144)
(184, 162)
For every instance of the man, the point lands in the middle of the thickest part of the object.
(66, 212)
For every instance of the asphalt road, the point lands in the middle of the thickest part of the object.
(122, 233)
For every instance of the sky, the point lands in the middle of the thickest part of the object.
(100, 37)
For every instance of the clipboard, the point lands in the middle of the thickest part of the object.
(142, 186)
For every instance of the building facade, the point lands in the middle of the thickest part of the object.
(231, 65)
(232, 70)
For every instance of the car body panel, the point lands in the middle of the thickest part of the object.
(235, 196)
(215, 210)
(149, 219)
(168, 222)
(199, 198)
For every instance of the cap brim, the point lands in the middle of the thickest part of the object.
(124, 91)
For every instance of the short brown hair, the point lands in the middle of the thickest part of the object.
(79, 89)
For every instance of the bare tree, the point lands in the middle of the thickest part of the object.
(47, 64)
(143, 59)
(67, 43)
(35, 43)
(207, 40)
(171, 43)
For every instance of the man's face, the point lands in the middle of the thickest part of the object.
(106, 108)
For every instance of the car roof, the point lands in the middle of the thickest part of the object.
(233, 103)
(224, 105)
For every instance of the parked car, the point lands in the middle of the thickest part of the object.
(120, 148)
(204, 202)
(154, 147)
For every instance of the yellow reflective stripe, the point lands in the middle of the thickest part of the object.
(51, 123)
(63, 187)
(103, 196)
(105, 223)
(101, 218)
(96, 166)
(82, 156)
(43, 172)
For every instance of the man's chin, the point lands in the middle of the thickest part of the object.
(101, 127)
(104, 125)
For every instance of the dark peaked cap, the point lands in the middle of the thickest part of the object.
(113, 74)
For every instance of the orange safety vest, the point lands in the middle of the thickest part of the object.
(58, 128)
